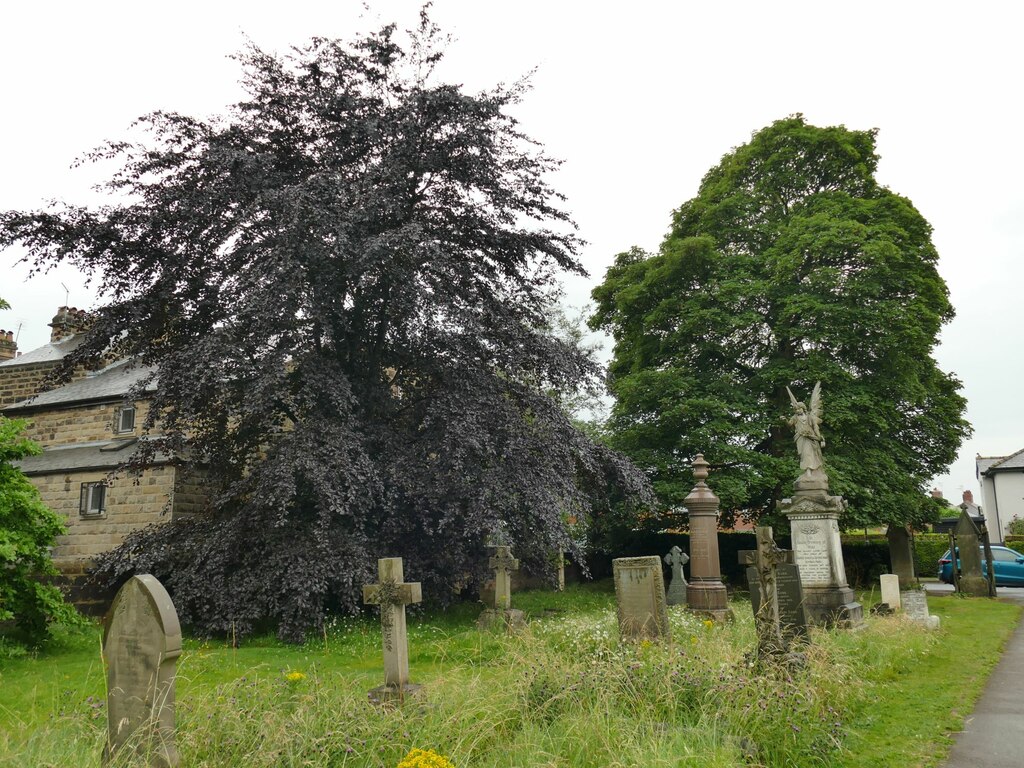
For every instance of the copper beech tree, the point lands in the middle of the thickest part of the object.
(343, 285)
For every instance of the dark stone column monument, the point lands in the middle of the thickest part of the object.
(814, 526)
(705, 593)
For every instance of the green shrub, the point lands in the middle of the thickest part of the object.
(1016, 546)
(27, 530)
(928, 548)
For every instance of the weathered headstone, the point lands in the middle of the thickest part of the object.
(775, 595)
(814, 525)
(503, 564)
(392, 594)
(915, 607)
(640, 597)
(561, 571)
(141, 641)
(968, 540)
(891, 590)
(901, 554)
(705, 594)
(676, 559)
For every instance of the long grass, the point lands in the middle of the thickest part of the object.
(562, 692)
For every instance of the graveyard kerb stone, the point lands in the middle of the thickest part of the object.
(392, 594)
(141, 642)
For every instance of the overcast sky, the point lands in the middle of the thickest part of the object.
(639, 101)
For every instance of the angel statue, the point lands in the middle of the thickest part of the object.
(806, 423)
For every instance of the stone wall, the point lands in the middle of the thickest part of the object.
(81, 424)
(190, 492)
(129, 506)
(20, 381)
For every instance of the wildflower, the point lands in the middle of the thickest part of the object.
(693, 639)
(709, 623)
(294, 677)
(425, 758)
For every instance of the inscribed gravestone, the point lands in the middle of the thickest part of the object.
(915, 607)
(640, 597)
(392, 594)
(676, 559)
(141, 641)
(969, 547)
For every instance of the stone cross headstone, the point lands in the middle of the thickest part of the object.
(141, 641)
(969, 547)
(503, 564)
(392, 594)
(676, 559)
(705, 594)
(775, 595)
(640, 598)
(891, 590)
(901, 554)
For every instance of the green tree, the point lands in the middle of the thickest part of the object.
(342, 286)
(791, 265)
(27, 530)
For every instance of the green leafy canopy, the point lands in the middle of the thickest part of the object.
(791, 265)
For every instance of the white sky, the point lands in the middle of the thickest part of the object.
(639, 99)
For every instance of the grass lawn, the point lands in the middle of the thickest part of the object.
(564, 692)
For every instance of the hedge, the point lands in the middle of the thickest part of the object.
(865, 557)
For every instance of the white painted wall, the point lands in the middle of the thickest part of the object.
(1002, 491)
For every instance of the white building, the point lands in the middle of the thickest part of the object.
(1002, 490)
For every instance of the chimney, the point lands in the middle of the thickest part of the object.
(968, 497)
(67, 322)
(936, 493)
(8, 346)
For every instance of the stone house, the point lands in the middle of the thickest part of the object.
(86, 429)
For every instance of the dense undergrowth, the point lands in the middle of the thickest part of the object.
(564, 692)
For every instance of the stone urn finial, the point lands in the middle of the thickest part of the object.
(700, 469)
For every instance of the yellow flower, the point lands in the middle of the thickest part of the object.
(645, 643)
(425, 758)
(709, 623)
(294, 677)
(693, 639)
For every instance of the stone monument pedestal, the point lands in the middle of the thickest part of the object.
(384, 695)
(814, 528)
(510, 618)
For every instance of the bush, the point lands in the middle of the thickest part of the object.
(27, 531)
(928, 548)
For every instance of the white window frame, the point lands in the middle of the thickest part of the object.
(92, 499)
(120, 428)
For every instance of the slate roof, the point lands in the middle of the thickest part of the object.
(1013, 461)
(110, 383)
(47, 353)
(80, 457)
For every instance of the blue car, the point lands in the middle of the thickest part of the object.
(1009, 567)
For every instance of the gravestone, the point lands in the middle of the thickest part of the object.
(969, 547)
(705, 594)
(901, 554)
(676, 559)
(141, 641)
(503, 564)
(915, 607)
(776, 596)
(561, 571)
(814, 525)
(392, 594)
(891, 590)
(640, 598)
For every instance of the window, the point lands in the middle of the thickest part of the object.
(1004, 555)
(93, 500)
(126, 419)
